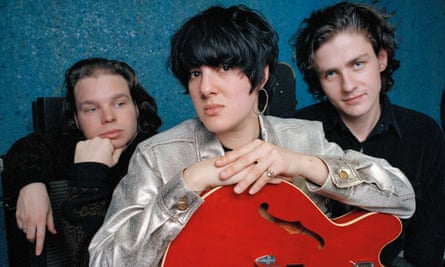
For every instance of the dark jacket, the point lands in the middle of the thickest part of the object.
(414, 143)
(43, 158)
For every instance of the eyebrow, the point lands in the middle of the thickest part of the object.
(113, 98)
(364, 56)
(360, 57)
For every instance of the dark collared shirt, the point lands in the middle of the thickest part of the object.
(414, 143)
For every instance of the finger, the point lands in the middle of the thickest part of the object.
(30, 233)
(40, 239)
(258, 171)
(276, 181)
(19, 218)
(19, 222)
(256, 187)
(260, 156)
(254, 182)
(249, 176)
(234, 155)
(116, 155)
(246, 161)
(227, 158)
(50, 223)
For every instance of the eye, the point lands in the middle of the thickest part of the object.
(329, 75)
(358, 64)
(87, 109)
(120, 102)
(194, 74)
(225, 67)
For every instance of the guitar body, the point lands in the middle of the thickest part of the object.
(280, 220)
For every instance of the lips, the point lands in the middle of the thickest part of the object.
(212, 110)
(353, 99)
(113, 134)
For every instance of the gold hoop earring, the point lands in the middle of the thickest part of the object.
(266, 103)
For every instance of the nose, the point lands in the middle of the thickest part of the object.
(348, 82)
(207, 82)
(108, 114)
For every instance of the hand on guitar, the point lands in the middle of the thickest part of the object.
(203, 175)
(261, 162)
(237, 230)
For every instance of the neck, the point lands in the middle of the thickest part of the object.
(362, 126)
(243, 135)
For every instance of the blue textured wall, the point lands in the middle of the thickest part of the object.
(40, 39)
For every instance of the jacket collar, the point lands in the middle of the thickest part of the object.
(208, 145)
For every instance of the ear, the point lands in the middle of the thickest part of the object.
(76, 121)
(383, 59)
(266, 76)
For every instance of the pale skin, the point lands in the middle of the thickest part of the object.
(107, 117)
(349, 72)
(223, 103)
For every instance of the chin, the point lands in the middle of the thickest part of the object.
(215, 127)
(118, 143)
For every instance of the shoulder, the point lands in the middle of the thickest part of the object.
(298, 128)
(412, 120)
(419, 130)
(39, 146)
(296, 134)
(317, 111)
(166, 152)
(279, 122)
(183, 132)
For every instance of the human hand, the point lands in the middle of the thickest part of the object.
(259, 163)
(34, 214)
(99, 150)
(204, 174)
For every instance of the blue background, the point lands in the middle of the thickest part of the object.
(39, 40)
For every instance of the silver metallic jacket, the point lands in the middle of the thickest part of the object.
(144, 215)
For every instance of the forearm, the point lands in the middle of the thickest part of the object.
(27, 162)
(313, 169)
(137, 230)
(368, 183)
(89, 174)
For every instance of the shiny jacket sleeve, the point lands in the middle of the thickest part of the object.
(147, 212)
(354, 178)
(363, 181)
(370, 184)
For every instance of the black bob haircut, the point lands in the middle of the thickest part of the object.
(236, 36)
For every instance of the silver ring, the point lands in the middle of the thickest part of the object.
(269, 173)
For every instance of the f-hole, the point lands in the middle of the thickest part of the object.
(294, 227)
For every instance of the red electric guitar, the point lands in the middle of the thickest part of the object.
(279, 226)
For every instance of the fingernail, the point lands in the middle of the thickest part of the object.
(237, 189)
